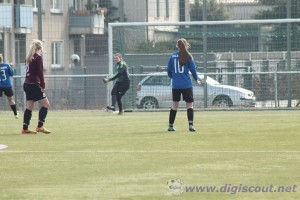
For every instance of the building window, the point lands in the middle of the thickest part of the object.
(57, 54)
(181, 10)
(19, 2)
(157, 14)
(35, 6)
(56, 6)
(167, 9)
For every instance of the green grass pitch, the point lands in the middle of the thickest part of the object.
(100, 155)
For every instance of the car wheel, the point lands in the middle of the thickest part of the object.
(222, 101)
(149, 103)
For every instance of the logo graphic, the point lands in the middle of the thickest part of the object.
(174, 187)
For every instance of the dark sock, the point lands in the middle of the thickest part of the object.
(113, 100)
(119, 102)
(172, 117)
(120, 106)
(14, 109)
(27, 117)
(42, 116)
(190, 115)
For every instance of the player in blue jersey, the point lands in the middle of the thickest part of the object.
(122, 84)
(180, 64)
(6, 72)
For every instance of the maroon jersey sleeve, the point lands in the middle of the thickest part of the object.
(40, 71)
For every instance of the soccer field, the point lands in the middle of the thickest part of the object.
(100, 155)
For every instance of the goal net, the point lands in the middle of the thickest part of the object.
(261, 56)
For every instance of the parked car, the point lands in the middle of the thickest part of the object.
(154, 91)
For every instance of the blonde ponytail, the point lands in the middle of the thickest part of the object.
(36, 45)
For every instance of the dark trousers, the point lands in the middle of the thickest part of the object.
(119, 89)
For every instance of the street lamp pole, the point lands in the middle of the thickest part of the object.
(147, 19)
(12, 34)
(204, 16)
(40, 30)
(289, 53)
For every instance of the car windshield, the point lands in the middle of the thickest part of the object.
(157, 80)
(165, 80)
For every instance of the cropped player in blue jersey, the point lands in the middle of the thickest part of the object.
(122, 84)
(6, 72)
(180, 64)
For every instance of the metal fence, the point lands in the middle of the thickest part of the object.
(87, 91)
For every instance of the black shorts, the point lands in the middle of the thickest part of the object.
(7, 91)
(120, 88)
(33, 92)
(187, 95)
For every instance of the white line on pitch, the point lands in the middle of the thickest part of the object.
(159, 151)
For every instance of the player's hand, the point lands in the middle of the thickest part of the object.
(199, 82)
(106, 80)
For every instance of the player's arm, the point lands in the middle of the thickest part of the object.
(10, 71)
(193, 70)
(40, 71)
(121, 69)
(169, 67)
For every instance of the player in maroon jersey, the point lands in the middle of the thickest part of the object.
(34, 87)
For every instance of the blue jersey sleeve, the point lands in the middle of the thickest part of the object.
(170, 67)
(10, 71)
(193, 69)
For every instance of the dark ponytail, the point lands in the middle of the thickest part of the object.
(184, 55)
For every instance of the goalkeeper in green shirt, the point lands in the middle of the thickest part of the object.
(121, 85)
